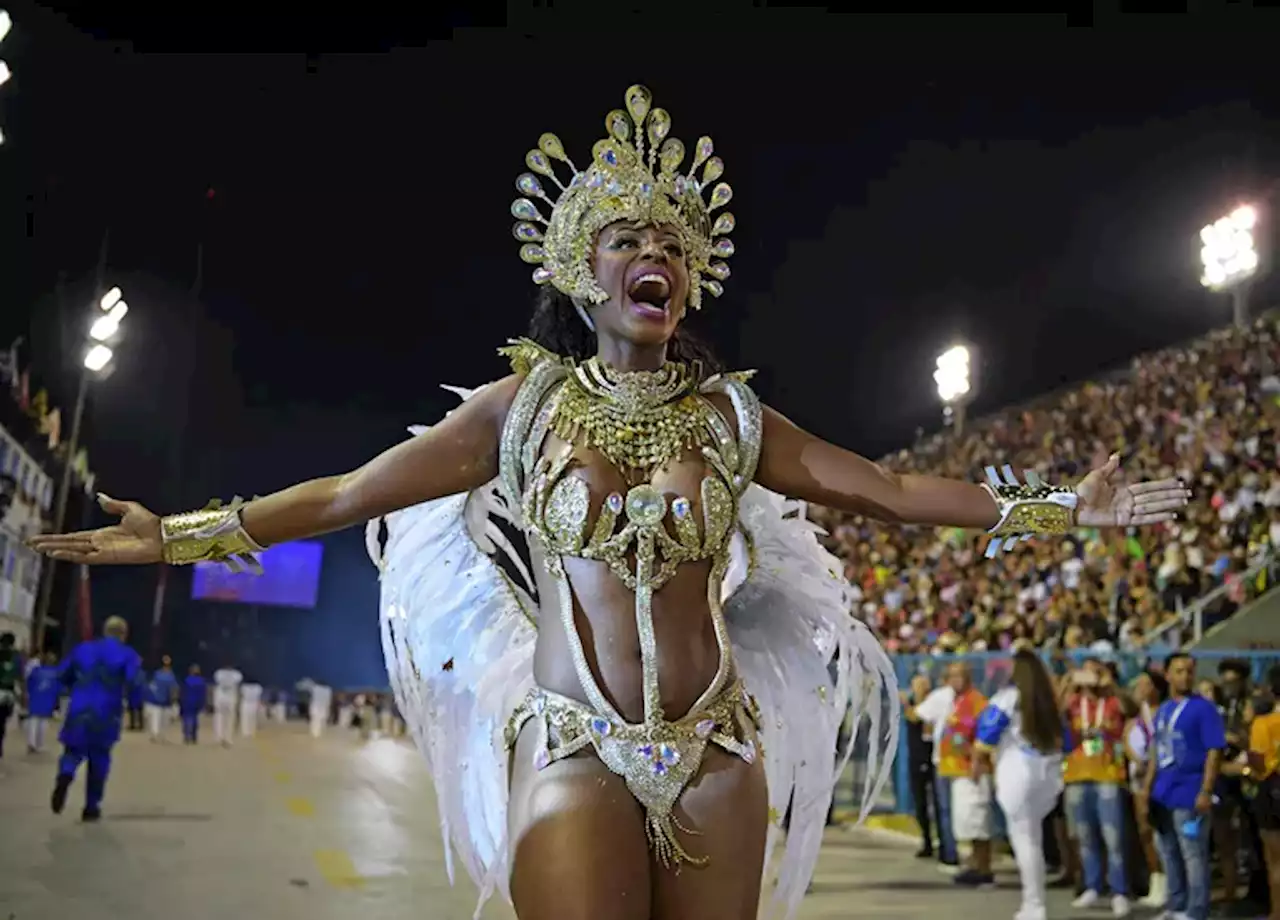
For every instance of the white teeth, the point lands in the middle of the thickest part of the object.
(652, 278)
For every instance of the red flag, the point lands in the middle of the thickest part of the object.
(84, 611)
(157, 611)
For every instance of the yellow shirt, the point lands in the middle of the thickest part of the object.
(1097, 741)
(1264, 739)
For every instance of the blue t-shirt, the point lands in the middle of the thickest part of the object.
(162, 688)
(43, 690)
(1186, 730)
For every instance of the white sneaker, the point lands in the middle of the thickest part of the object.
(1120, 906)
(1087, 899)
(1157, 891)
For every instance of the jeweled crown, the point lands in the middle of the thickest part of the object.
(634, 175)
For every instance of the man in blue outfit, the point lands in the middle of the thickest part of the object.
(100, 673)
(44, 688)
(1188, 740)
(191, 701)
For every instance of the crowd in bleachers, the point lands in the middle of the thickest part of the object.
(1205, 412)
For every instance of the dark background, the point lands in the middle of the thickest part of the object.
(1037, 193)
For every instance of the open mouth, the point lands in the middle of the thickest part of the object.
(650, 293)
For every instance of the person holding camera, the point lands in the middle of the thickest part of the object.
(1095, 775)
(1229, 812)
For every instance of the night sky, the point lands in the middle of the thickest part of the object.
(1038, 195)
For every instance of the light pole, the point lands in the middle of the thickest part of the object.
(6, 23)
(1230, 258)
(104, 328)
(952, 377)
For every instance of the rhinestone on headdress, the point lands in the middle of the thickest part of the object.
(634, 175)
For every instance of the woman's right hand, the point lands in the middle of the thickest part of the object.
(135, 540)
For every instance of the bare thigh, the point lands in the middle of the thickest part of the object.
(728, 805)
(577, 840)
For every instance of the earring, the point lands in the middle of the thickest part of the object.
(586, 318)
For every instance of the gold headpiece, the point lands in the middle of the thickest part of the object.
(621, 184)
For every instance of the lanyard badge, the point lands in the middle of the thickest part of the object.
(1165, 756)
(1092, 744)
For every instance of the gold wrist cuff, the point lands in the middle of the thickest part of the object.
(1027, 510)
(212, 534)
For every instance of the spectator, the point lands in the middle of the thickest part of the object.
(1149, 690)
(964, 804)
(1264, 770)
(920, 765)
(1095, 778)
(1189, 740)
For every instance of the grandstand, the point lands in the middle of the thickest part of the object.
(1206, 411)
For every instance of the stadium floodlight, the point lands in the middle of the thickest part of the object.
(98, 357)
(6, 23)
(954, 384)
(1229, 254)
(952, 373)
(105, 327)
(110, 299)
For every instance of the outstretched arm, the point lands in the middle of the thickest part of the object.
(796, 463)
(458, 454)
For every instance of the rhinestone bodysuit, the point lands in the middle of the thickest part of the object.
(640, 423)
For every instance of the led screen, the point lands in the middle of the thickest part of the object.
(290, 578)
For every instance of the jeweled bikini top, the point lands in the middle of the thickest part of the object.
(640, 422)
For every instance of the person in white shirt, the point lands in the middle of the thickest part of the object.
(226, 691)
(1148, 690)
(936, 711)
(250, 701)
(1020, 732)
(321, 698)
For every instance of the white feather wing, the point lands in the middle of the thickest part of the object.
(809, 663)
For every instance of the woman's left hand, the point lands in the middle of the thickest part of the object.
(1107, 501)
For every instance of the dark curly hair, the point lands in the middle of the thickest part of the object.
(557, 327)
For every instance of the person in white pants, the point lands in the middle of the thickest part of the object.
(161, 692)
(1021, 731)
(279, 708)
(226, 691)
(44, 688)
(321, 698)
(250, 702)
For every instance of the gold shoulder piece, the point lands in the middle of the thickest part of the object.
(526, 354)
(746, 406)
(741, 376)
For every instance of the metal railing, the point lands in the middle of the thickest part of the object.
(1255, 581)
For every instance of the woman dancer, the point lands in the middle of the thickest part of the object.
(1022, 731)
(665, 575)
